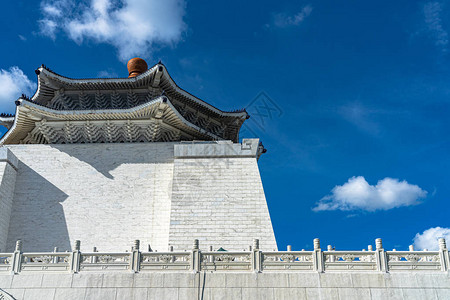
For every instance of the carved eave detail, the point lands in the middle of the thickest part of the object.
(153, 121)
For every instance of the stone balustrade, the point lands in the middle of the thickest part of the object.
(253, 260)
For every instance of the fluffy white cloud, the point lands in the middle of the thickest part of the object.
(13, 83)
(133, 27)
(429, 238)
(282, 20)
(358, 194)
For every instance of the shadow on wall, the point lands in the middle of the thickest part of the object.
(37, 216)
(118, 154)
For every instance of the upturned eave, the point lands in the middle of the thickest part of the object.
(29, 113)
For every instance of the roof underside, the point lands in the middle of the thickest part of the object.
(62, 103)
(153, 121)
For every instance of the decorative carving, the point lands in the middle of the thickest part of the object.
(5, 260)
(66, 101)
(165, 258)
(91, 132)
(225, 258)
(348, 257)
(287, 257)
(367, 258)
(412, 257)
(131, 131)
(117, 100)
(46, 259)
(71, 133)
(85, 101)
(306, 258)
(149, 259)
(132, 99)
(48, 132)
(101, 101)
(111, 132)
(107, 259)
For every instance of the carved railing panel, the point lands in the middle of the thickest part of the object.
(157, 261)
(349, 260)
(99, 261)
(226, 261)
(287, 260)
(5, 262)
(33, 262)
(413, 260)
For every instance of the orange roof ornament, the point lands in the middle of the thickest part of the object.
(136, 66)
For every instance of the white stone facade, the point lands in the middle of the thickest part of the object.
(107, 195)
(232, 286)
(218, 197)
(8, 172)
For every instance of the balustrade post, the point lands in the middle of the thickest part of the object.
(94, 258)
(256, 257)
(211, 257)
(135, 260)
(75, 258)
(318, 257)
(55, 259)
(443, 255)
(195, 257)
(332, 257)
(381, 258)
(16, 261)
(172, 258)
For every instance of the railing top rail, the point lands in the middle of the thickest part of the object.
(226, 252)
(46, 253)
(167, 253)
(413, 252)
(106, 253)
(288, 252)
(349, 252)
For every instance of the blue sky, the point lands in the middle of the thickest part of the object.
(358, 129)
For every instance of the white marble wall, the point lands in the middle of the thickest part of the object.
(221, 201)
(233, 286)
(108, 195)
(218, 197)
(105, 195)
(8, 166)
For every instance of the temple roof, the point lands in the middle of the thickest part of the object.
(94, 105)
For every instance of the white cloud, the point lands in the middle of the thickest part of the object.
(133, 27)
(361, 116)
(107, 74)
(22, 38)
(13, 83)
(432, 14)
(283, 20)
(358, 194)
(51, 10)
(429, 238)
(48, 28)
